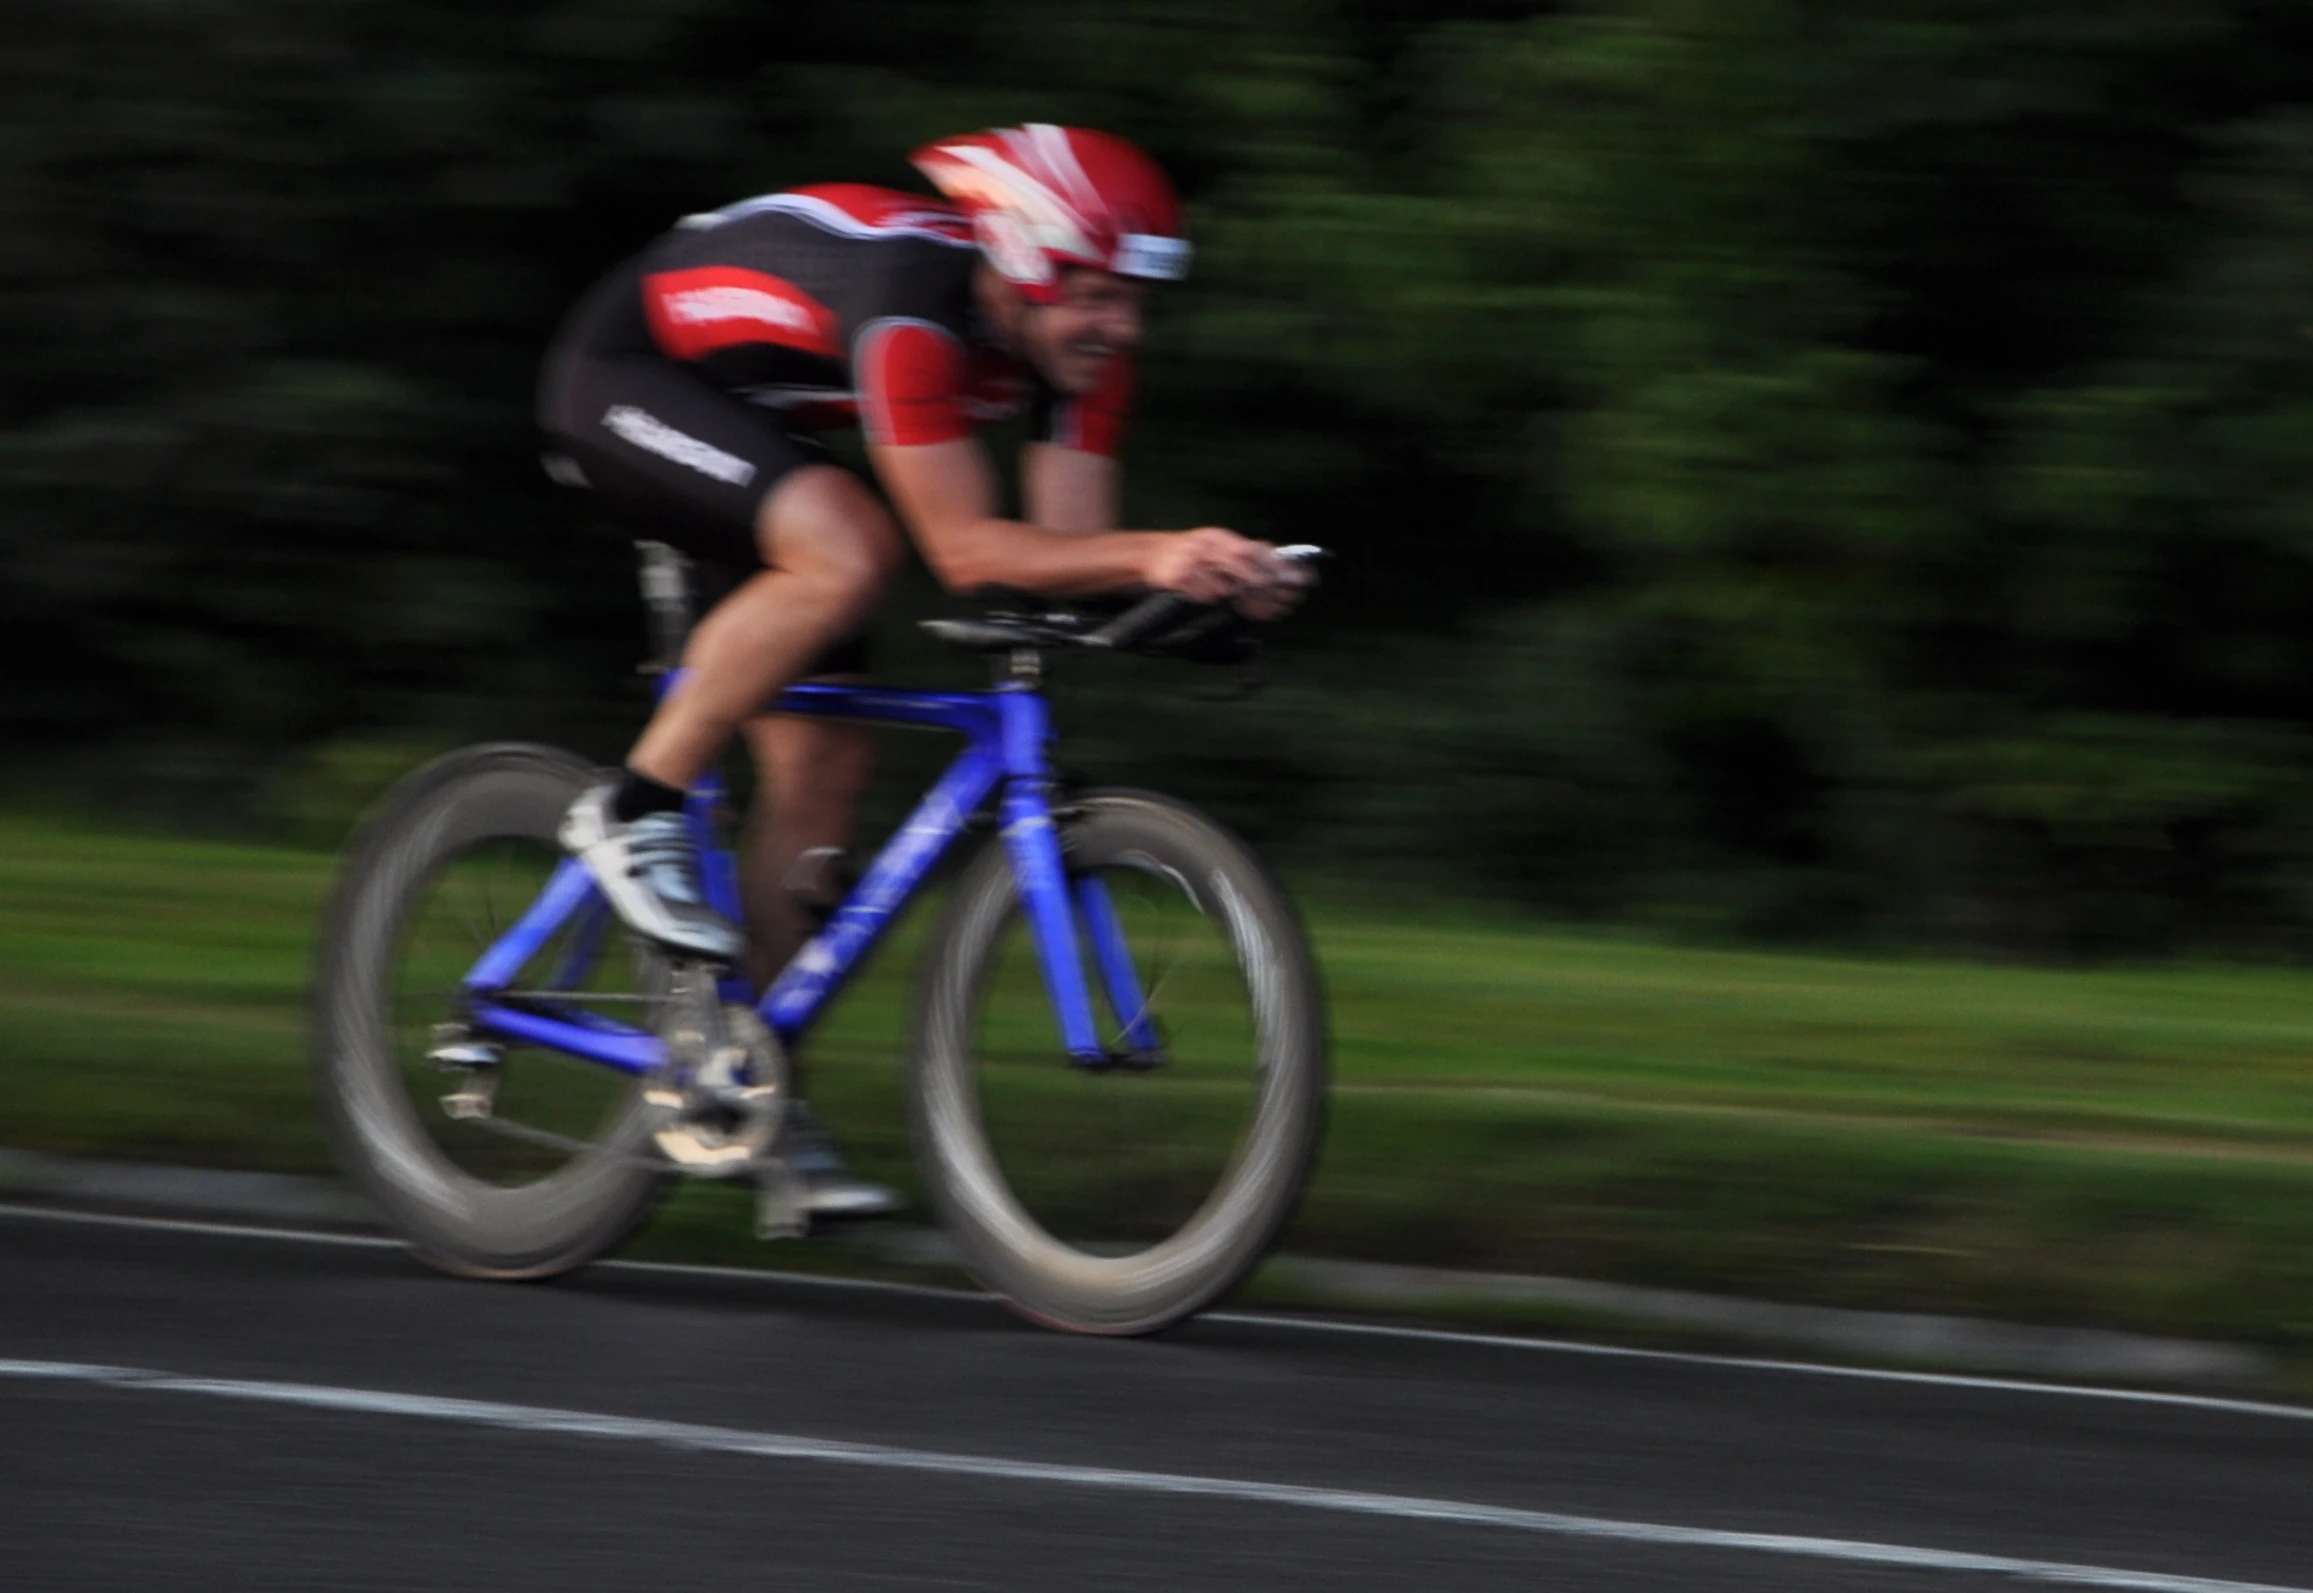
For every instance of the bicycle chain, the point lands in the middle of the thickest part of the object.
(550, 1140)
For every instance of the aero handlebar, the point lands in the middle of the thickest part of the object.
(1152, 616)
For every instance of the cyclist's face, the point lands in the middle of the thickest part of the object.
(1097, 318)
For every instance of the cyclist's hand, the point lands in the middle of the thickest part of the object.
(1213, 565)
(1279, 594)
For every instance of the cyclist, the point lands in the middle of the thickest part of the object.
(686, 392)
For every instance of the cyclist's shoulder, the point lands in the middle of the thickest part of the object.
(867, 254)
(859, 212)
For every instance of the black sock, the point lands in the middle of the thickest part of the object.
(639, 794)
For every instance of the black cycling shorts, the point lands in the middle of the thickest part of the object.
(668, 455)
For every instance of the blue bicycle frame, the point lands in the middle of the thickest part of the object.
(1007, 731)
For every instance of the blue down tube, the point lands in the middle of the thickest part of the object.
(1125, 997)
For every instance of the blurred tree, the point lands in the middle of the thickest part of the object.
(1800, 470)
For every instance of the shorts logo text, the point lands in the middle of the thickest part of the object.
(648, 432)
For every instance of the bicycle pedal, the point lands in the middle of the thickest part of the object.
(475, 1098)
(703, 1151)
(455, 1050)
(782, 1200)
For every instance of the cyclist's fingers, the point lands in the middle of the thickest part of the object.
(1219, 566)
(1218, 573)
(1268, 603)
(1205, 583)
(1285, 572)
(1253, 564)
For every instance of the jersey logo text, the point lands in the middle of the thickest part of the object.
(693, 313)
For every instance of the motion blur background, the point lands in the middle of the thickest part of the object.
(1817, 473)
(1804, 468)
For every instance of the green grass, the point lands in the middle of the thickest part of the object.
(2126, 1146)
(152, 997)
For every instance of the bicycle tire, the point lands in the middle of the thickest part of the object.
(1248, 921)
(428, 828)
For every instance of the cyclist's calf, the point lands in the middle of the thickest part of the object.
(810, 774)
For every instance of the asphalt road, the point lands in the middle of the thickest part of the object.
(189, 1409)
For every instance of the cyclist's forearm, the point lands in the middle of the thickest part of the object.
(1067, 489)
(996, 552)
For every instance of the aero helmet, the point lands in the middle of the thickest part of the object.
(1041, 197)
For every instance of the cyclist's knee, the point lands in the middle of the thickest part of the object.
(867, 566)
(824, 525)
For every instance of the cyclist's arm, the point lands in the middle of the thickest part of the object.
(1069, 489)
(940, 479)
(946, 493)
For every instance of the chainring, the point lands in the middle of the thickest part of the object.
(720, 1100)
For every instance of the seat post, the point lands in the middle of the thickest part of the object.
(668, 599)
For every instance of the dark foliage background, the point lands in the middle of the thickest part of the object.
(1801, 469)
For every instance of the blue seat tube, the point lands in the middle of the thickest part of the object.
(1025, 821)
(719, 872)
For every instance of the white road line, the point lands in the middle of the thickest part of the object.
(221, 1230)
(1400, 1507)
(1288, 1324)
(1872, 1374)
(372, 1241)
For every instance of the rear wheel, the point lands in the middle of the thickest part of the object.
(1122, 1199)
(553, 1171)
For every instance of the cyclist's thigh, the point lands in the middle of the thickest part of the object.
(668, 455)
(673, 458)
(832, 524)
(851, 657)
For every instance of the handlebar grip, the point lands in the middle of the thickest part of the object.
(1145, 618)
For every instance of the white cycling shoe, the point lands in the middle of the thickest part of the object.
(648, 869)
(832, 1191)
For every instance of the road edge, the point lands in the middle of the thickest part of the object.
(1312, 1282)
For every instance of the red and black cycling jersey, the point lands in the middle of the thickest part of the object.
(842, 304)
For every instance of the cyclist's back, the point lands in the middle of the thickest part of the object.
(813, 309)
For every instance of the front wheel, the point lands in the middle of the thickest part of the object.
(1122, 1199)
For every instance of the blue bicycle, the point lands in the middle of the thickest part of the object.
(1117, 1074)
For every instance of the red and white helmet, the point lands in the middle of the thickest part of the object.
(1042, 197)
